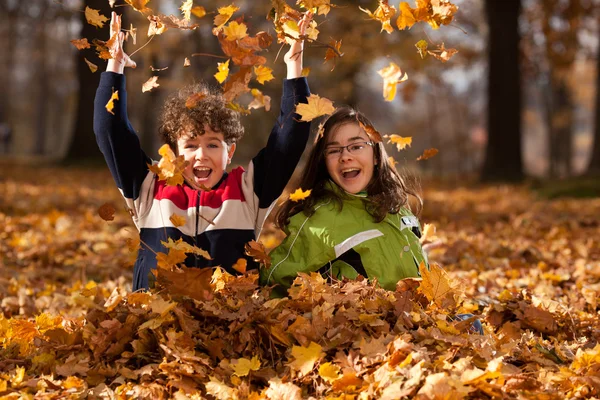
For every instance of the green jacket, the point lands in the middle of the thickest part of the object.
(389, 250)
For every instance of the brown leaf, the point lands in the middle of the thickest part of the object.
(81, 44)
(428, 153)
(257, 251)
(190, 282)
(107, 212)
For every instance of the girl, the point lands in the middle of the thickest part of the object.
(356, 220)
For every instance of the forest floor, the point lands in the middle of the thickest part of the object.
(527, 267)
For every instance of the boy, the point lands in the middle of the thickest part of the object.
(206, 135)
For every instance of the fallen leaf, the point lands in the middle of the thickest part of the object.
(383, 14)
(186, 63)
(225, 13)
(305, 358)
(437, 286)
(198, 11)
(243, 366)
(257, 251)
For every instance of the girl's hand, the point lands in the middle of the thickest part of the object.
(293, 58)
(119, 59)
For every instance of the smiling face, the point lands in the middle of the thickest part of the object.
(352, 168)
(207, 155)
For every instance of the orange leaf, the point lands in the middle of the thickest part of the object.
(107, 212)
(257, 251)
(406, 19)
(194, 99)
(428, 153)
(111, 102)
(177, 220)
(383, 14)
(240, 265)
(223, 71)
(399, 141)
(437, 286)
(190, 282)
(198, 11)
(81, 43)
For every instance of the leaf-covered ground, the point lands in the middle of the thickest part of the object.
(529, 269)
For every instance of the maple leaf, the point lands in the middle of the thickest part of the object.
(180, 245)
(225, 13)
(186, 9)
(161, 306)
(406, 19)
(190, 282)
(150, 84)
(383, 14)
(421, 46)
(140, 6)
(177, 220)
(243, 366)
(223, 69)
(437, 286)
(93, 67)
(399, 141)
(111, 102)
(198, 11)
(170, 168)
(240, 265)
(260, 100)
(322, 6)
(235, 31)
(329, 372)
(428, 153)
(257, 251)
(442, 53)
(81, 44)
(392, 76)
(299, 195)
(333, 55)
(263, 74)
(170, 260)
(305, 358)
(317, 106)
(93, 17)
(107, 212)
(237, 84)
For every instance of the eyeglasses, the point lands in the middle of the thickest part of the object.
(353, 148)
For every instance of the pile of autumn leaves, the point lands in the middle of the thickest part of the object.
(529, 270)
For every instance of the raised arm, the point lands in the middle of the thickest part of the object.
(115, 136)
(275, 164)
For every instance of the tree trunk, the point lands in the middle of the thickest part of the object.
(83, 143)
(503, 158)
(594, 165)
(39, 146)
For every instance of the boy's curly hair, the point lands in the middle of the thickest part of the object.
(194, 105)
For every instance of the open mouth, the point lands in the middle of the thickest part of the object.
(202, 173)
(350, 173)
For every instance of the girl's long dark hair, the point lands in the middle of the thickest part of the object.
(386, 193)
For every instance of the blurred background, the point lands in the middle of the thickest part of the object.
(519, 100)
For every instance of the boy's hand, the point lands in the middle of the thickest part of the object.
(119, 59)
(293, 58)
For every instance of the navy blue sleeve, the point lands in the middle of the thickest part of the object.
(275, 164)
(116, 138)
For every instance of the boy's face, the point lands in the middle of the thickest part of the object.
(207, 155)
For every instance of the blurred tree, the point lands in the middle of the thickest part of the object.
(83, 143)
(594, 165)
(503, 158)
(10, 10)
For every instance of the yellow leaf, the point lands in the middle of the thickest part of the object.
(383, 14)
(421, 46)
(18, 377)
(90, 289)
(243, 366)
(436, 286)
(329, 372)
(162, 306)
(305, 71)
(93, 17)
(392, 161)
(170, 168)
(177, 220)
(240, 265)
(428, 153)
(392, 75)
(447, 328)
(73, 382)
(185, 247)
(150, 84)
(235, 31)
(263, 74)
(299, 195)
(220, 390)
(406, 19)
(139, 5)
(199, 11)
(223, 71)
(170, 260)
(399, 141)
(305, 357)
(322, 6)
(111, 102)
(93, 67)
(186, 9)
(316, 107)
(224, 14)
(260, 100)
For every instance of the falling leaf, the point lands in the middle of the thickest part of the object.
(220, 390)
(329, 372)
(180, 245)
(237, 84)
(333, 55)
(392, 162)
(322, 6)
(150, 84)
(170, 168)
(421, 46)
(81, 44)
(373, 133)
(442, 53)
(223, 69)
(156, 28)
(235, 31)
(186, 63)
(305, 71)
(260, 100)
(133, 32)
(240, 265)
(399, 141)
(428, 153)
(383, 14)
(93, 17)
(171, 259)
(299, 195)
(140, 6)
(437, 286)
(93, 67)
(257, 251)
(406, 19)
(317, 106)
(111, 102)
(392, 76)
(263, 74)
(225, 13)
(238, 108)
(177, 220)
(305, 358)
(107, 212)
(186, 9)
(243, 366)
(158, 69)
(190, 282)
(198, 11)
(194, 99)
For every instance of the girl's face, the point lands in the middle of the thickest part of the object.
(207, 155)
(350, 157)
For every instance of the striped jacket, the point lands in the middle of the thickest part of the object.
(237, 206)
